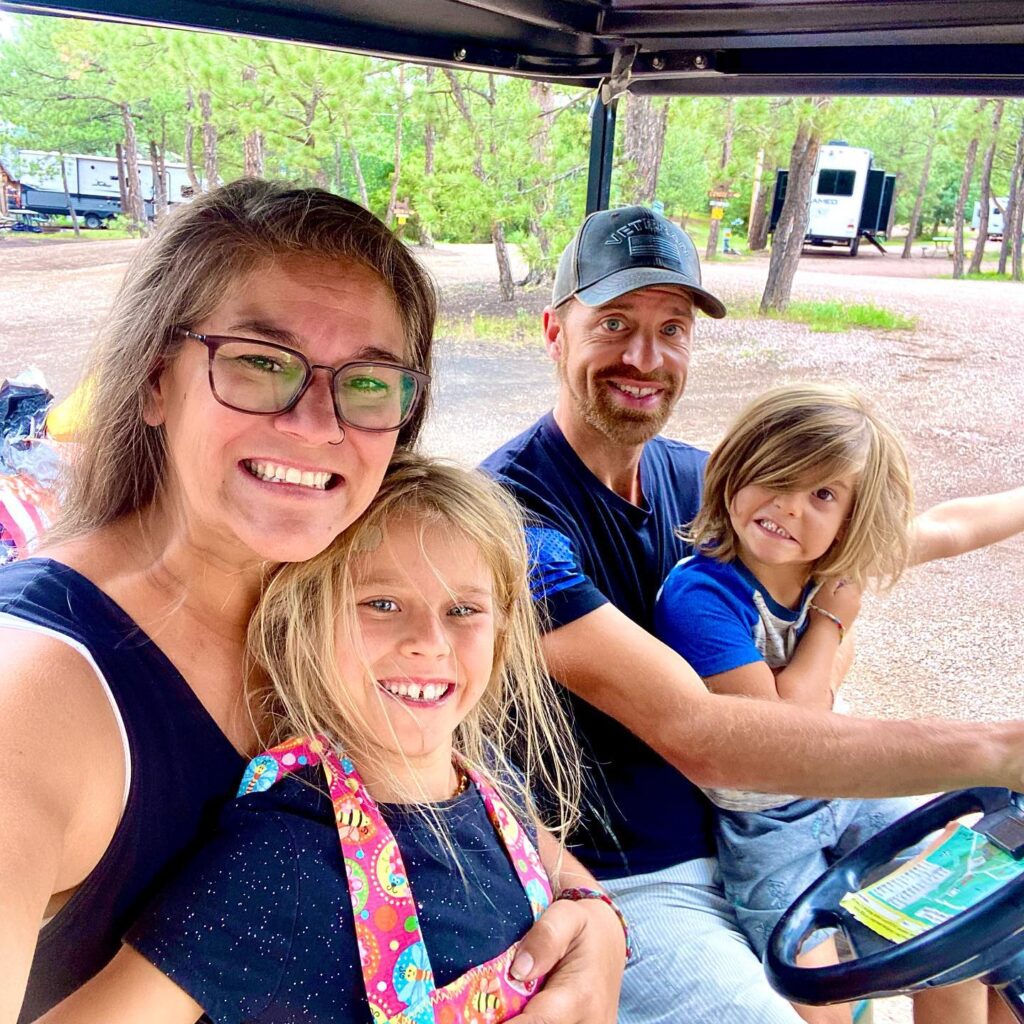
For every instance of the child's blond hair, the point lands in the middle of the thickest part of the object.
(518, 734)
(803, 435)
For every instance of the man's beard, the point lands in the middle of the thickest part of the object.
(620, 425)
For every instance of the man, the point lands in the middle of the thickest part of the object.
(604, 495)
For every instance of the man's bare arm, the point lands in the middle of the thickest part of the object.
(965, 524)
(725, 741)
(56, 819)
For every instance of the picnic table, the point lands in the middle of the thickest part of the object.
(940, 246)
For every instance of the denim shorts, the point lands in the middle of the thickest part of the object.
(768, 858)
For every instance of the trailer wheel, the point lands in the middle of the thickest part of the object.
(854, 245)
(93, 221)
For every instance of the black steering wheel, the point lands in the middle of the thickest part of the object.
(986, 940)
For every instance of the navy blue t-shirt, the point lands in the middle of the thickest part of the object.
(591, 546)
(259, 926)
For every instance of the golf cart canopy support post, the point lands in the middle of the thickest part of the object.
(602, 148)
(675, 47)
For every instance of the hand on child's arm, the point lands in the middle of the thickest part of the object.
(581, 948)
(129, 990)
(579, 945)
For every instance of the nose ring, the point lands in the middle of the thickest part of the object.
(340, 439)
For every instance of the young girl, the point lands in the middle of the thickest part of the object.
(400, 677)
(808, 498)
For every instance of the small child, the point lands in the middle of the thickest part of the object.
(400, 675)
(807, 499)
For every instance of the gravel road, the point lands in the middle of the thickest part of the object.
(946, 642)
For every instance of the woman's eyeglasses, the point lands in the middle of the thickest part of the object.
(262, 378)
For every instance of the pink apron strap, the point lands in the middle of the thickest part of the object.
(396, 968)
(520, 849)
(266, 768)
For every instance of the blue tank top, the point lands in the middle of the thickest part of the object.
(183, 769)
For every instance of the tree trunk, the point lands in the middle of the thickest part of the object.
(792, 227)
(254, 154)
(189, 145)
(1018, 231)
(67, 194)
(922, 187)
(156, 158)
(122, 187)
(132, 185)
(210, 172)
(396, 175)
(1014, 203)
(958, 212)
(986, 191)
(506, 283)
(755, 197)
(429, 144)
(429, 132)
(357, 167)
(253, 145)
(543, 94)
(646, 122)
(722, 182)
(757, 230)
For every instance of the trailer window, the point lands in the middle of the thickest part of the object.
(836, 183)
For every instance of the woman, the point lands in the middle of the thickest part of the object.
(203, 463)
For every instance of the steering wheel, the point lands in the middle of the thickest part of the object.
(986, 940)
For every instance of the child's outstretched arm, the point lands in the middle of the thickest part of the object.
(129, 990)
(964, 524)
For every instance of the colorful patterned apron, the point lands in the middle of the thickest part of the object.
(396, 968)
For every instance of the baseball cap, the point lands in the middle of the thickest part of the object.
(619, 251)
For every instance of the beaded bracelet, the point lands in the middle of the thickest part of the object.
(581, 893)
(828, 615)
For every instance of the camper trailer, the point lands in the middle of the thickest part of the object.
(996, 211)
(850, 199)
(92, 183)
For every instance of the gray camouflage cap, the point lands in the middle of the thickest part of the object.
(619, 251)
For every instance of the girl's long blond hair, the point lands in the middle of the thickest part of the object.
(518, 734)
(804, 435)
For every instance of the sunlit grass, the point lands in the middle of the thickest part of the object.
(830, 316)
(833, 317)
(840, 316)
(518, 327)
(987, 275)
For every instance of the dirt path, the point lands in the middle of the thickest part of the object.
(946, 642)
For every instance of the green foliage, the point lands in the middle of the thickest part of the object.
(505, 150)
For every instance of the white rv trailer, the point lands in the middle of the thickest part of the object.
(996, 209)
(92, 183)
(850, 199)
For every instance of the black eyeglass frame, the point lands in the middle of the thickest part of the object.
(216, 341)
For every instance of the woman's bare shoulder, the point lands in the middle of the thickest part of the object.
(48, 684)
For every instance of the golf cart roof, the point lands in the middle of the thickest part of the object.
(683, 47)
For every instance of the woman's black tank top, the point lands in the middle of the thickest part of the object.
(182, 770)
